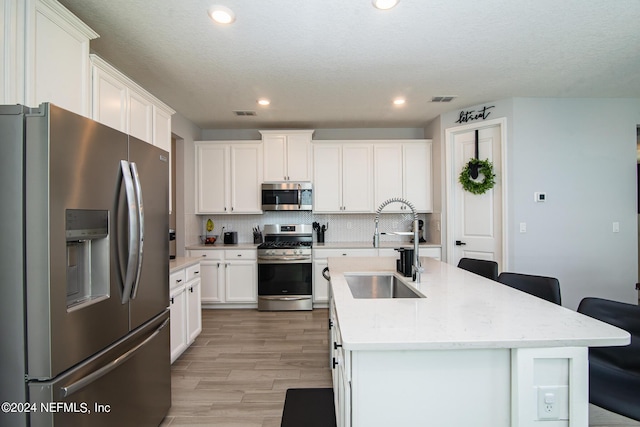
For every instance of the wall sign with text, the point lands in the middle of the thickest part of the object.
(471, 115)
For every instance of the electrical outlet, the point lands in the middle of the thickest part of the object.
(549, 403)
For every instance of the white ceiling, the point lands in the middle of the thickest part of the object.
(340, 63)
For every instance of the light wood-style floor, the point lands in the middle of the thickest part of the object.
(238, 370)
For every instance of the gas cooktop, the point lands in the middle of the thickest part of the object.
(284, 245)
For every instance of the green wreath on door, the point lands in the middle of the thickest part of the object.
(472, 170)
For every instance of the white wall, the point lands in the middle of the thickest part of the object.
(187, 224)
(582, 153)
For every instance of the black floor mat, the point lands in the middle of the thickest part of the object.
(309, 407)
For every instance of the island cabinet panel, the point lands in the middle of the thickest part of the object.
(445, 388)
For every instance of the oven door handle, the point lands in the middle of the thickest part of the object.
(278, 298)
(285, 258)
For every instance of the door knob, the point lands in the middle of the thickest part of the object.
(460, 243)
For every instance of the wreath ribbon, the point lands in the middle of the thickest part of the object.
(473, 169)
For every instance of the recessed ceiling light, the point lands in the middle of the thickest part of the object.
(399, 101)
(222, 14)
(264, 102)
(385, 4)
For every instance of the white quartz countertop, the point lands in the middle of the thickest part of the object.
(182, 262)
(221, 246)
(369, 245)
(461, 311)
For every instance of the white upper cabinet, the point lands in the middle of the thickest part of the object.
(212, 176)
(45, 51)
(287, 155)
(342, 177)
(417, 175)
(403, 169)
(246, 177)
(228, 177)
(121, 103)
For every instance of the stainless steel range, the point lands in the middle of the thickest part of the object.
(284, 268)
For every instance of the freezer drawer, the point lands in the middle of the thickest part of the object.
(134, 390)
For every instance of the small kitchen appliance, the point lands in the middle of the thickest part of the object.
(404, 265)
(287, 196)
(420, 231)
(230, 237)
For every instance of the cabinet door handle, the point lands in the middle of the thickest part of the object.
(191, 290)
(336, 345)
(330, 324)
(172, 301)
(196, 272)
(335, 363)
(178, 280)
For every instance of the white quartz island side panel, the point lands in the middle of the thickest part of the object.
(472, 352)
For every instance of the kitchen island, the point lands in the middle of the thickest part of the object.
(471, 352)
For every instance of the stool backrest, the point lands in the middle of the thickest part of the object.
(620, 314)
(482, 267)
(541, 286)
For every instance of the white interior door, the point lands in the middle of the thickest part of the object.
(476, 221)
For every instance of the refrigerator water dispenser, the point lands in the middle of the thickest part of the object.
(87, 234)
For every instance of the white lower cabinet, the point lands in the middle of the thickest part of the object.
(229, 277)
(340, 372)
(185, 308)
(178, 311)
(320, 284)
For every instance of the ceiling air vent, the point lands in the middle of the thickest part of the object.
(244, 113)
(442, 98)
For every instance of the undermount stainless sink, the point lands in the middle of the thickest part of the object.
(365, 286)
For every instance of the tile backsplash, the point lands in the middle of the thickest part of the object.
(341, 227)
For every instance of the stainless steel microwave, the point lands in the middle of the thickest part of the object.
(287, 196)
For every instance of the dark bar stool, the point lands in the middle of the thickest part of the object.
(614, 372)
(543, 287)
(482, 267)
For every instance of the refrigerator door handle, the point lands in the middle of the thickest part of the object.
(140, 211)
(95, 375)
(133, 231)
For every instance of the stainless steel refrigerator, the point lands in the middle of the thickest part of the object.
(84, 263)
